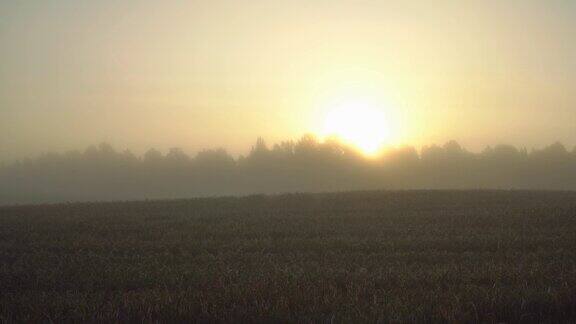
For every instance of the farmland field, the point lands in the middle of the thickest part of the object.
(412, 256)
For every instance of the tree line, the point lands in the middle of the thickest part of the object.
(103, 173)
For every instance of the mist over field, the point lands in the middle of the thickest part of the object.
(204, 74)
(307, 165)
(288, 161)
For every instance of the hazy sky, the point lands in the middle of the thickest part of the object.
(199, 74)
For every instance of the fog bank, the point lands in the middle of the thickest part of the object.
(308, 165)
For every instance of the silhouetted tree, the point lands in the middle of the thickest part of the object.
(153, 156)
(214, 159)
(101, 172)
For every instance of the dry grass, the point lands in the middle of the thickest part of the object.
(415, 256)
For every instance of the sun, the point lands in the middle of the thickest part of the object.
(358, 122)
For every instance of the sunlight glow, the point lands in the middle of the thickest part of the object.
(358, 122)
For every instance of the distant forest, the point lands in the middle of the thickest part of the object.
(102, 173)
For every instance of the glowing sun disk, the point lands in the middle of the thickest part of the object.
(359, 124)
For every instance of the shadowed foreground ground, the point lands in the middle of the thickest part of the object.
(364, 256)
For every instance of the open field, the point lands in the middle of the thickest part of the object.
(414, 256)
